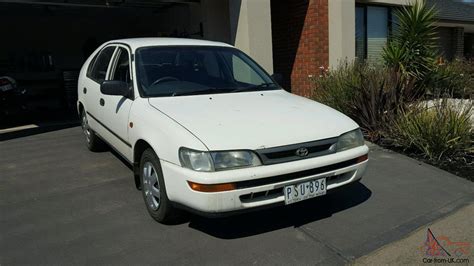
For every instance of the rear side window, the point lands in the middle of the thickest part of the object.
(101, 63)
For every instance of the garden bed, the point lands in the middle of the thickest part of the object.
(435, 130)
(405, 101)
(461, 167)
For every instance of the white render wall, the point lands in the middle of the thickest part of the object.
(251, 30)
(341, 31)
(246, 24)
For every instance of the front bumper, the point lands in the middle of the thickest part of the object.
(259, 186)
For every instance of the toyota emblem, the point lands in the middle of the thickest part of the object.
(302, 152)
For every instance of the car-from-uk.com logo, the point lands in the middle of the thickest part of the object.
(442, 250)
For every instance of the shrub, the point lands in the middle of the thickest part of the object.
(375, 100)
(454, 79)
(335, 87)
(412, 47)
(437, 130)
(369, 95)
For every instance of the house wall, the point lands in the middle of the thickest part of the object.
(342, 27)
(469, 45)
(251, 31)
(458, 42)
(246, 24)
(445, 45)
(300, 41)
(63, 32)
(215, 20)
(341, 31)
(388, 2)
(452, 42)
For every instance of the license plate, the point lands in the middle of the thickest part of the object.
(305, 190)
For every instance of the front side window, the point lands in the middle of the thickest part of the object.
(121, 71)
(101, 63)
(191, 70)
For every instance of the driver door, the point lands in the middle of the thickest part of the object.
(114, 110)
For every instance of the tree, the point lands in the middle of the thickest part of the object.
(412, 46)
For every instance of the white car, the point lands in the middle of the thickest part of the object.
(208, 130)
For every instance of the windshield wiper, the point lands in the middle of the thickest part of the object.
(255, 87)
(197, 92)
(212, 90)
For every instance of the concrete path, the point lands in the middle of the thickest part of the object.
(458, 227)
(61, 204)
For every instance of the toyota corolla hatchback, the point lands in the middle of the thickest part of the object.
(208, 130)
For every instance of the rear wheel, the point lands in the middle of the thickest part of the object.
(94, 143)
(154, 191)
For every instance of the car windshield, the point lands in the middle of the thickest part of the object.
(192, 70)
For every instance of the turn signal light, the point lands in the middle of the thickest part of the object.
(212, 187)
(362, 158)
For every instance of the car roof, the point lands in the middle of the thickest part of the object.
(135, 43)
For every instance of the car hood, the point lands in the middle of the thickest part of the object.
(253, 120)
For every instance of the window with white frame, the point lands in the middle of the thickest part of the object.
(374, 25)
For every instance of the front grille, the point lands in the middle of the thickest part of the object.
(295, 175)
(288, 153)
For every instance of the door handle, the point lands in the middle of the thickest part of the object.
(84, 90)
(102, 102)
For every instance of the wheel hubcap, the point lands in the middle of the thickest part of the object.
(151, 186)
(85, 127)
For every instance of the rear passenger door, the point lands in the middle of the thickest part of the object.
(113, 109)
(96, 74)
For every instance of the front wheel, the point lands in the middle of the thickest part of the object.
(94, 143)
(154, 191)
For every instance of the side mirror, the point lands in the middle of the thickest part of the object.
(278, 78)
(115, 87)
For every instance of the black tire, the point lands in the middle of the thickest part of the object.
(93, 142)
(165, 212)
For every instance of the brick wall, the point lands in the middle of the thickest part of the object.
(300, 41)
(458, 42)
(451, 42)
(445, 42)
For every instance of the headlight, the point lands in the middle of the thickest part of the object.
(216, 161)
(234, 159)
(350, 140)
(196, 160)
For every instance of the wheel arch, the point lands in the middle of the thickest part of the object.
(140, 146)
(80, 108)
